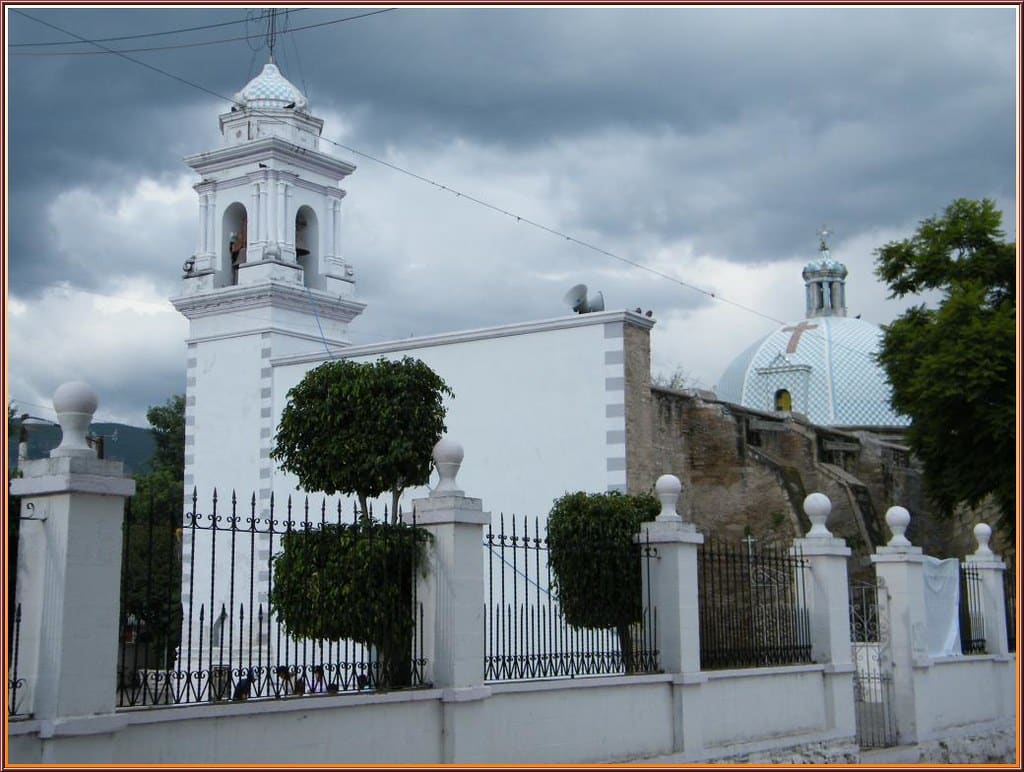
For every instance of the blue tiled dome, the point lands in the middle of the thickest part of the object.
(270, 89)
(826, 364)
(823, 367)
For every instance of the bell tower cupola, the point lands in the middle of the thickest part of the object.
(270, 197)
(825, 282)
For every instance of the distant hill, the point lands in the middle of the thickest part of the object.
(131, 444)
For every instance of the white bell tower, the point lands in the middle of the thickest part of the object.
(268, 280)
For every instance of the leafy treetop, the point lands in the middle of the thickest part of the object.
(952, 367)
(362, 428)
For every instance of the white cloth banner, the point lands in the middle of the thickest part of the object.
(942, 606)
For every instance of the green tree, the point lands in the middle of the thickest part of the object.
(362, 429)
(596, 564)
(353, 581)
(151, 560)
(167, 422)
(952, 367)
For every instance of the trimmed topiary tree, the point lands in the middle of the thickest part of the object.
(596, 564)
(358, 429)
(353, 581)
(362, 429)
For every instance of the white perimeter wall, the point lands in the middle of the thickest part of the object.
(538, 408)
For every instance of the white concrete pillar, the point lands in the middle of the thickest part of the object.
(336, 226)
(453, 591)
(828, 595)
(282, 226)
(204, 225)
(993, 602)
(452, 594)
(253, 224)
(264, 219)
(69, 566)
(828, 600)
(670, 581)
(899, 566)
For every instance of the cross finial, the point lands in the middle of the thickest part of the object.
(824, 233)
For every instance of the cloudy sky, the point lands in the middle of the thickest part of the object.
(710, 145)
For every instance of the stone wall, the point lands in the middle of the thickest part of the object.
(746, 471)
(836, 752)
(995, 747)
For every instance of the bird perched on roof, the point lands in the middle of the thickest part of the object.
(289, 106)
(262, 166)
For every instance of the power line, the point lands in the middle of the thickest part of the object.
(121, 51)
(446, 188)
(142, 34)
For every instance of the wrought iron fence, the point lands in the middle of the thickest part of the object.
(196, 623)
(1010, 596)
(15, 683)
(527, 635)
(972, 615)
(873, 688)
(753, 606)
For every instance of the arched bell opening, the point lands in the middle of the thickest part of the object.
(307, 245)
(783, 400)
(234, 235)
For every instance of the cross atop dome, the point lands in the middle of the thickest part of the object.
(824, 233)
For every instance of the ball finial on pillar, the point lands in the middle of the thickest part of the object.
(448, 456)
(817, 506)
(75, 404)
(898, 518)
(668, 488)
(983, 532)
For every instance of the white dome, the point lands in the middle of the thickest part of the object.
(823, 367)
(827, 364)
(270, 89)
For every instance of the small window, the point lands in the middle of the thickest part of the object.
(783, 400)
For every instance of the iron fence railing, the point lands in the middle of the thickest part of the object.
(753, 606)
(873, 687)
(972, 614)
(527, 635)
(1010, 597)
(196, 623)
(15, 683)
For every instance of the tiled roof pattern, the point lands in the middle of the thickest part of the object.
(829, 369)
(270, 89)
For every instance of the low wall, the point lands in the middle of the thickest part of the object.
(614, 718)
(790, 714)
(963, 691)
(347, 729)
(738, 705)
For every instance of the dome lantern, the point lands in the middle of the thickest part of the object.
(822, 367)
(825, 281)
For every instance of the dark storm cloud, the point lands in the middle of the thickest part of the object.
(669, 136)
(817, 105)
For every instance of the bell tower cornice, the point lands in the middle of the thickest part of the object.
(267, 150)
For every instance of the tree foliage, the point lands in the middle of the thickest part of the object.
(362, 429)
(151, 557)
(595, 562)
(167, 422)
(952, 367)
(352, 581)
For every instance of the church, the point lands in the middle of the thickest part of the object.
(541, 407)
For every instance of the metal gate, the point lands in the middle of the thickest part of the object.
(872, 684)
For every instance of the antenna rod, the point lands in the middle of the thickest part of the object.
(272, 32)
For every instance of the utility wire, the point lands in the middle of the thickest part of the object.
(121, 51)
(457, 193)
(144, 34)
